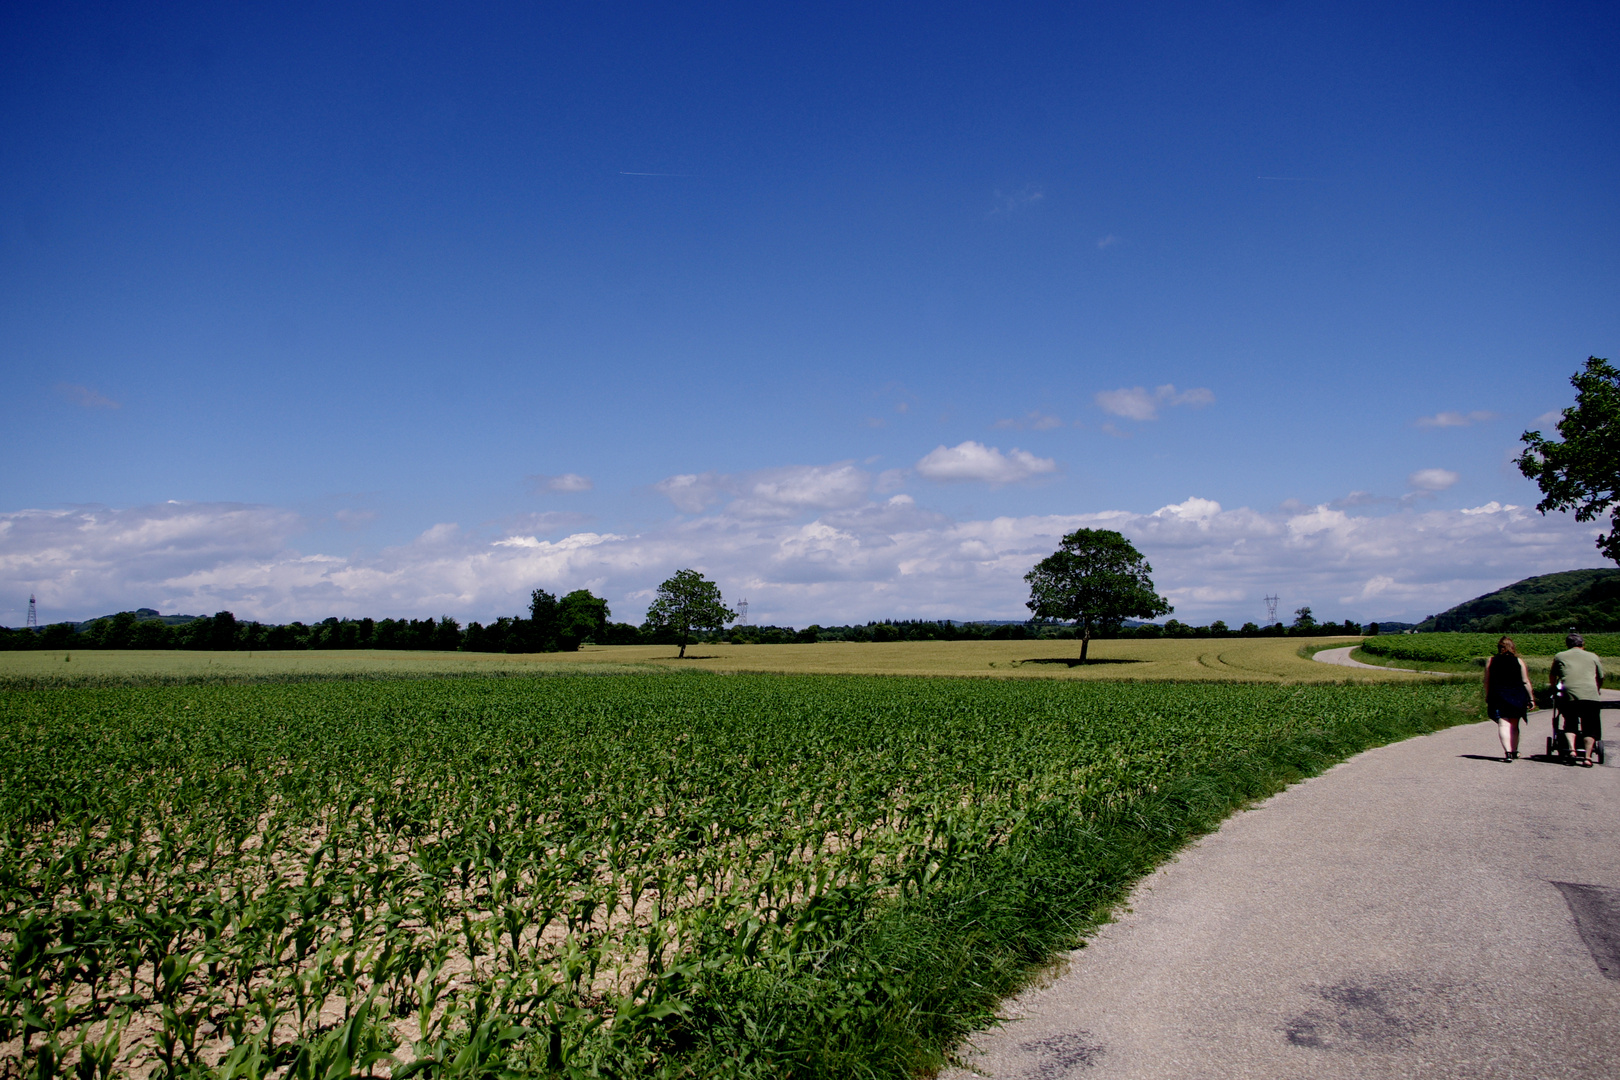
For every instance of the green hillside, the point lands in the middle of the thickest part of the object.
(1585, 600)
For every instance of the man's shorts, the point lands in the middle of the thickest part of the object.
(1584, 717)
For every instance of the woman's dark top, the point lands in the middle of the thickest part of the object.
(1505, 686)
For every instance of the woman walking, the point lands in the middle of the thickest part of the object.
(1508, 694)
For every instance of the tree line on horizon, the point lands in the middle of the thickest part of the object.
(576, 619)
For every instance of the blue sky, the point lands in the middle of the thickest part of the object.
(303, 311)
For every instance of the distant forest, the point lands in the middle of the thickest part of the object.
(1588, 600)
(563, 625)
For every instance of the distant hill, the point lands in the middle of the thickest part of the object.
(144, 614)
(1587, 600)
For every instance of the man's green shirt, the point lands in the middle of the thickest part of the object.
(1580, 671)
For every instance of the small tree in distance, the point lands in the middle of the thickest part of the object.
(686, 602)
(1097, 579)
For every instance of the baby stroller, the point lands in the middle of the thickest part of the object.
(1566, 729)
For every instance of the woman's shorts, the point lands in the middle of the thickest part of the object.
(1507, 712)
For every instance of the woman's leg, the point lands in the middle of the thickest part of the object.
(1507, 729)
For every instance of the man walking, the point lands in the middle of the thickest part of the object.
(1581, 672)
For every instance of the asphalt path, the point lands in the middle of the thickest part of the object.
(1421, 910)
(1341, 657)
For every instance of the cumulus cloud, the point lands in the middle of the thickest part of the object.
(549, 521)
(1359, 498)
(1432, 479)
(1035, 420)
(1455, 419)
(987, 464)
(771, 492)
(86, 398)
(1139, 403)
(871, 558)
(566, 483)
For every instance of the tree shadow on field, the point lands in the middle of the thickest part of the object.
(1077, 662)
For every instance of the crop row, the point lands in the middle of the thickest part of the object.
(1463, 648)
(559, 876)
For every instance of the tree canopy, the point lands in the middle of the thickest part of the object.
(1096, 579)
(560, 625)
(1582, 471)
(686, 602)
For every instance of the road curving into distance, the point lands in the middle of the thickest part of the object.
(1423, 909)
(1341, 658)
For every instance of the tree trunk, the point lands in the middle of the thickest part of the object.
(684, 635)
(1085, 641)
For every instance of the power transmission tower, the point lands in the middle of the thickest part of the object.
(33, 616)
(742, 612)
(1271, 610)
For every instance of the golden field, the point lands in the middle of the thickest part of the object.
(1186, 660)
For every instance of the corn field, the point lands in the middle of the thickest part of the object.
(585, 876)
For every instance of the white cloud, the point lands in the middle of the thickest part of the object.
(1196, 510)
(86, 398)
(866, 558)
(1035, 420)
(1107, 242)
(1455, 419)
(353, 518)
(567, 483)
(1359, 498)
(774, 492)
(1138, 403)
(690, 492)
(1549, 419)
(1025, 197)
(1432, 479)
(987, 464)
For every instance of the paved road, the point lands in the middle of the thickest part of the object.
(1341, 657)
(1422, 910)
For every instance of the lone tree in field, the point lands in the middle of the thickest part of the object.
(1097, 579)
(1582, 473)
(686, 602)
